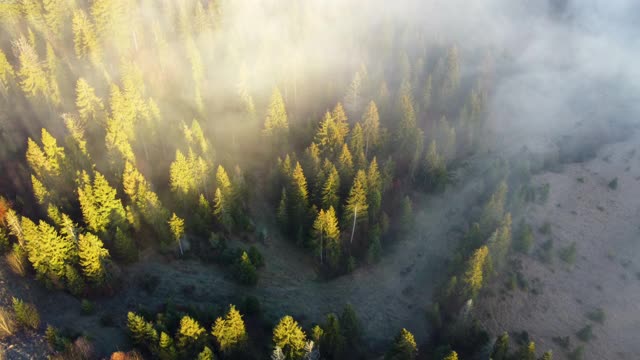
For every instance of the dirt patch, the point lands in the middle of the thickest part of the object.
(602, 220)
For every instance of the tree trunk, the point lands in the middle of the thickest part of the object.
(355, 216)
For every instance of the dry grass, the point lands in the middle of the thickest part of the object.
(7, 323)
(17, 262)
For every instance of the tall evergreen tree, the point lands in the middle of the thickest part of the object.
(32, 73)
(289, 337)
(47, 251)
(93, 257)
(89, 106)
(101, 209)
(356, 206)
(403, 348)
(176, 224)
(474, 275)
(230, 331)
(371, 127)
(331, 189)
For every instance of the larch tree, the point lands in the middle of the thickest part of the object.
(452, 356)
(371, 127)
(32, 73)
(90, 107)
(374, 188)
(331, 189)
(101, 208)
(190, 332)
(52, 67)
(141, 331)
(356, 145)
(341, 121)
(326, 236)
(327, 136)
(56, 14)
(345, 164)
(356, 206)
(85, 39)
(351, 326)
(47, 251)
(230, 332)
(7, 75)
(289, 337)
(500, 349)
(276, 123)
(93, 258)
(474, 274)
(176, 224)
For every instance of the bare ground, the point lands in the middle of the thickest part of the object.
(605, 224)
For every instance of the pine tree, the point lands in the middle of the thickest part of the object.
(501, 348)
(345, 164)
(276, 123)
(289, 337)
(141, 331)
(190, 332)
(356, 145)
(52, 72)
(341, 121)
(331, 189)
(527, 352)
(452, 79)
(101, 209)
(7, 75)
(547, 355)
(47, 251)
(89, 106)
(436, 170)
(93, 257)
(230, 331)
(56, 14)
(300, 193)
(332, 342)
(84, 38)
(356, 207)
(403, 348)
(124, 247)
(371, 127)
(32, 74)
(474, 275)
(374, 187)
(494, 209)
(328, 136)
(351, 327)
(326, 233)
(176, 224)
(427, 94)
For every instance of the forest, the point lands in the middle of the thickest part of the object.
(213, 134)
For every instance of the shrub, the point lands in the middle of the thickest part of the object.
(244, 271)
(544, 192)
(545, 253)
(148, 283)
(56, 341)
(568, 254)
(5, 245)
(576, 354)
(596, 315)
(613, 184)
(7, 323)
(251, 305)
(26, 314)
(545, 229)
(585, 334)
(86, 307)
(563, 342)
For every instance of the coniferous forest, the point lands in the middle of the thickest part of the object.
(233, 137)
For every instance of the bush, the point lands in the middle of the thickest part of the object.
(585, 334)
(251, 305)
(86, 307)
(545, 229)
(7, 323)
(568, 254)
(545, 252)
(576, 354)
(56, 341)
(148, 283)
(244, 271)
(563, 342)
(26, 314)
(613, 184)
(596, 315)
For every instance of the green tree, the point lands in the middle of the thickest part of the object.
(345, 164)
(501, 348)
(93, 258)
(403, 348)
(356, 145)
(289, 337)
(547, 355)
(144, 201)
(436, 169)
(224, 198)
(356, 207)
(7, 75)
(26, 314)
(351, 327)
(85, 38)
(206, 354)
(332, 343)
(167, 350)
(342, 123)
(230, 331)
(374, 187)
(245, 270)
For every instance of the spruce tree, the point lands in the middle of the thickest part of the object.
(141, 331)
(371, 127)
(342, 123)
(356, 145)
(345, 164)
(474, 274)
(176, 224)
(90, 107)
(351, 327)
(101, 209)
(190, 332)
(452, 356)
(47, 251)
(32, 74)
(332, 343)
(501, 348)
(403, 348)
(331, 189)
(7, 75)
